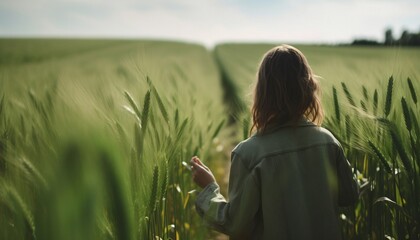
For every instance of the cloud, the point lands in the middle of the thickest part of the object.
(210, 21)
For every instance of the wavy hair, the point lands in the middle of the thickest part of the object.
(286, 90)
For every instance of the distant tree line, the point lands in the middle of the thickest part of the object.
(406, 39)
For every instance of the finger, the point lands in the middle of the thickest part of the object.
(194, 160)
(197, 168)
(197, 160)
(195, 165)
(202, 164)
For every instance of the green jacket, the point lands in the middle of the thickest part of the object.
(284, 184)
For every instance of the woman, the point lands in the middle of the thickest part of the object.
(288, 179)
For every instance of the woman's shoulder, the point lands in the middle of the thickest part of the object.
(248, 147)
(251, 148)
(328, 136)
(244, 145)
(246, 151)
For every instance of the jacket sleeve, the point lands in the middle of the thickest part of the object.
(234, 217)
(348, 187)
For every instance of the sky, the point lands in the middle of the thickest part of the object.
(211, 21)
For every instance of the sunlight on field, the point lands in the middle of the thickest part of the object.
(93, 133)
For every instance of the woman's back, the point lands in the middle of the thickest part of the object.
(296, 169)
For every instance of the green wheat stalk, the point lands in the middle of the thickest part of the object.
(363, 105)
(151, 207)
(32, 170)
(245, 128)
(18, 201)
(400, 150)
(219, 127)
(160, 105)
(138, 139)
(121, 133)
(365, 93)
(34, 101)
(412, 90)
(348, 95)
(348, 127)
(375, 102)
(336, 105)
(145, 113)
(388, 100)
(406, 113)
(380, 156)
(132, 104)
(182, 129)
(163, 193)
(416, 126)
(176, 118)
(153, 202)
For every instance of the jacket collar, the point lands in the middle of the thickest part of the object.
(302, 122)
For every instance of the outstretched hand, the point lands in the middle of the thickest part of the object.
(201, 174)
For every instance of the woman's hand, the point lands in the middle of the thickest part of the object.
(201, 174)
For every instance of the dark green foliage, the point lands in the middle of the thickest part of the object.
(120, 206)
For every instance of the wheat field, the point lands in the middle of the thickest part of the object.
(94, 133)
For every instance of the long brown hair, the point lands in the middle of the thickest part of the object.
(286, 90)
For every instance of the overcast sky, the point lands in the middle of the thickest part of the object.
(210, 21)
